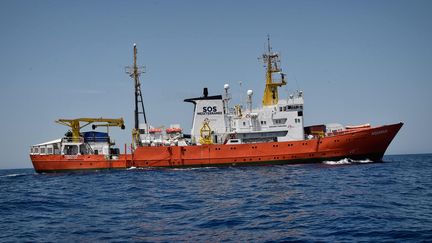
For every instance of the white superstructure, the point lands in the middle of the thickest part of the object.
(280, 122)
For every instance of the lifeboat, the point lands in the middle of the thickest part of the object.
(173, 130)
(155, 130)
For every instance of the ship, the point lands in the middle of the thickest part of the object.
(222, 134)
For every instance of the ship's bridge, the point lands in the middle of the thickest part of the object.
(280, 122)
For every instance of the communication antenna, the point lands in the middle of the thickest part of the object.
(268, 43)
(249, 99)
(226, 98)
(241, 92)
(135, 72)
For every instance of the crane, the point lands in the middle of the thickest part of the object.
(75, 124)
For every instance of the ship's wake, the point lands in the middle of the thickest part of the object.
(347, 161)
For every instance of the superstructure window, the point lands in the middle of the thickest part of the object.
(280, 121)
(83, 149)
(294, 107)
(70, 150)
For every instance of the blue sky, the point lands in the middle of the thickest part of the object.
(356, 62)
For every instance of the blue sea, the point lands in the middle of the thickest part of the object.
(333, 201)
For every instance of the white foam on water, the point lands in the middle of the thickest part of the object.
(193, 168)
(131, 168)
(364, 161)
(12, 175)
(347, 161)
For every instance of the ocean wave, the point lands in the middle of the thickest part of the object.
(347, 161)
(307, 202)
(194, 168)
(13, 175)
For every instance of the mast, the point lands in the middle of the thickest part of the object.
(272, 63)
(134, 72)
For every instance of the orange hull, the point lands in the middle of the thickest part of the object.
(51, 163)
(362, 143)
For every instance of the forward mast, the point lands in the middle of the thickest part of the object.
(272, 63)
(135, 72)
